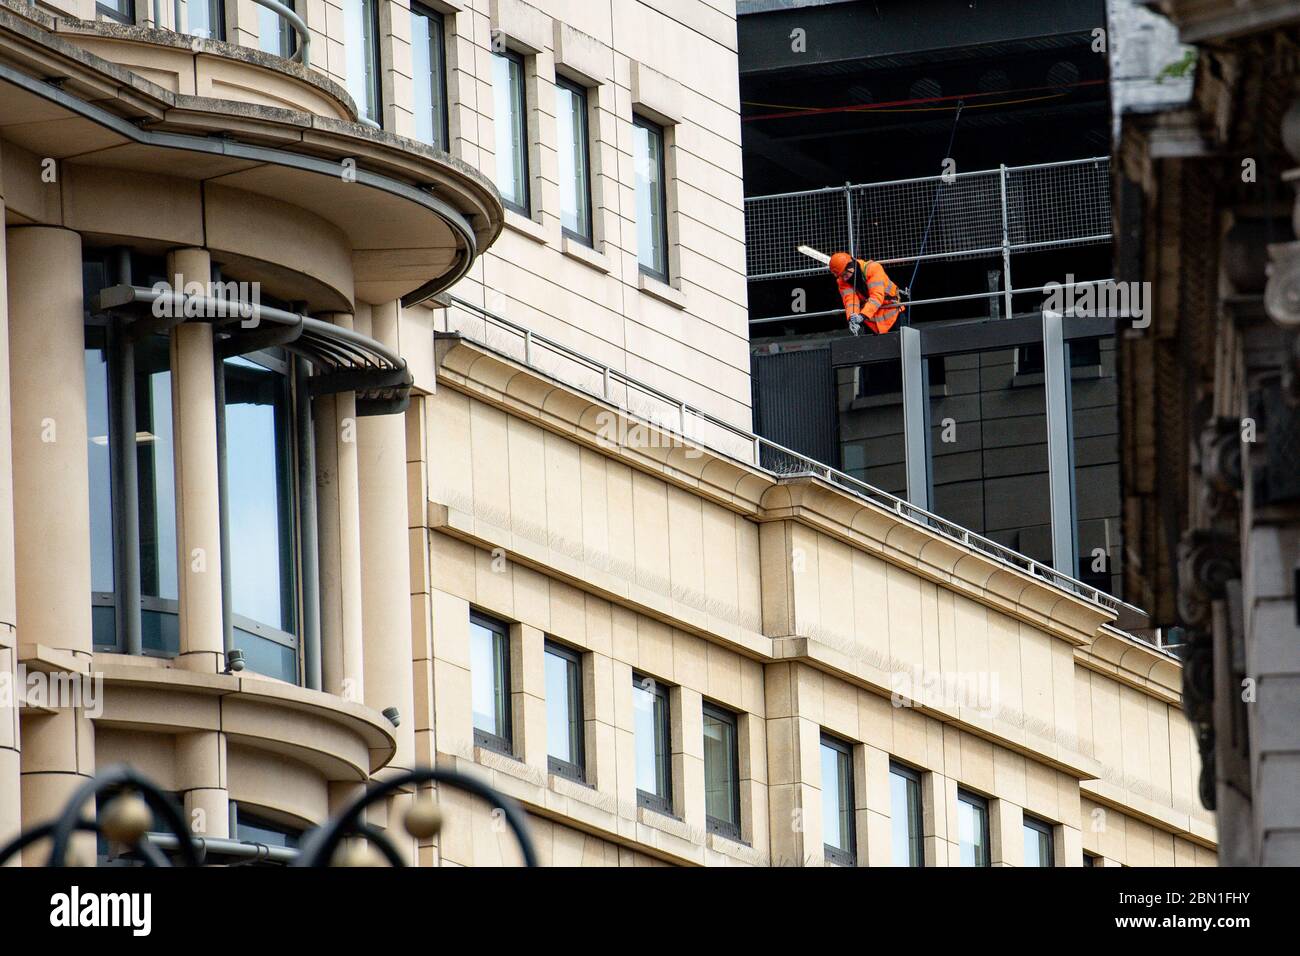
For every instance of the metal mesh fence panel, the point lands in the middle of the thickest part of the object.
(1060, 204)
(1057, 204)
(776, 225)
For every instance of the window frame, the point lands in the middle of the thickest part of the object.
(438, 92)
(520, 102)
(375, 88)
(834, 854)
(660, 803)
(912, 775)
(1045, 829)
(288, 45)
(980, 804)
(291, 546)
(574, 770)
(661, 235)
(500, 743)
(725, 828)
(583, 93)
(128, 17)
(217, 12)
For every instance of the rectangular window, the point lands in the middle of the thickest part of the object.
(653, 744)
(564, 738)
(837, 802)
(511, 124)
(206, 18)
(361, 52)
(251, 828)
(123, 11)
(429, 63)
(973, 829)
(651, 198)
(274, 34)
(1038, 843)
(574, 147)
(721, 772)
(489, 672)
(907, 841)
(1091, 859)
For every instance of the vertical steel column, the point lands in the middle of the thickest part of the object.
(916, 415)
(1059, 432)
(123, 472)
(308, 546)
(848, 215)
(1006, 246)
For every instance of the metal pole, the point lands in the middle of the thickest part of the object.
(223, 507)
(915, 415)
(1006, 245)
(124, 475)
(1056, 386)
(848, 214)
(308, 548)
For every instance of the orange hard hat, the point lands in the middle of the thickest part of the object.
(839, 262)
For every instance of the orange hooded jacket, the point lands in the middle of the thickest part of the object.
(879, 306)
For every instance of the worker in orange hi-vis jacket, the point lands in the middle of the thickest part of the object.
(870, 297)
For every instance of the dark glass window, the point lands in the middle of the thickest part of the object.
(155, 493)
(908, 842)
(489, 671)
(838, 832)
(564, 736)
(721, 772)
(260, 508)
(251, 828)
(1091, 859)
(1038, 843)
(654, 783)
(973, 829)
(274, 34)
(429, 63)
(361, 53)
(511, 123)
(1094, 425)
(574, 160)
(988, 452)
(651, 197)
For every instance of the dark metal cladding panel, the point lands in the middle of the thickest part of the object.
(794, 406)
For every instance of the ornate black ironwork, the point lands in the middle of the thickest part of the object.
(116, 781)
(318, 849)
(321, 844)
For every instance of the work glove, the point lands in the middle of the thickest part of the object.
(855, 324)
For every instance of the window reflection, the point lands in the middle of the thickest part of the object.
(650, 712)
(259, 496)
(905, 817)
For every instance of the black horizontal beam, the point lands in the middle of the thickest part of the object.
(978, 336)
(860, 31)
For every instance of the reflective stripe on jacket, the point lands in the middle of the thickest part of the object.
(879, 307)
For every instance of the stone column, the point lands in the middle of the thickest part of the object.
(339, 539)
(10, 769)
(794, 772)
(51, 502)
(198, 514)
(385, 567)
(201, 778)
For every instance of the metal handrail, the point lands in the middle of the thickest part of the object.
(303, 52)
(807, 466)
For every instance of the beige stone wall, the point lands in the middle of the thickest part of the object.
(793, 625)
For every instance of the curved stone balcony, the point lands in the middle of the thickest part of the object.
(150, 138)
